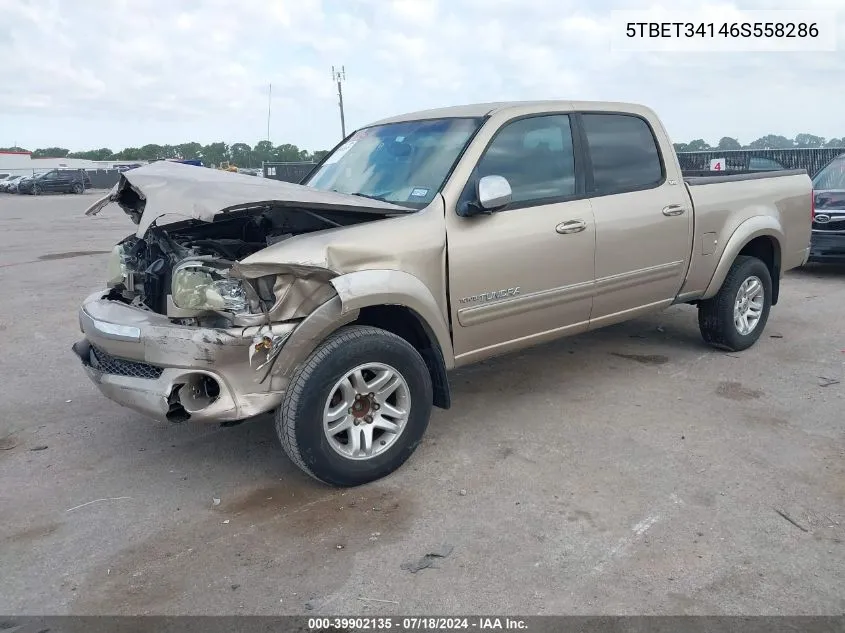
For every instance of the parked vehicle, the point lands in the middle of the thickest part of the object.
(828, 237)
(10, 184)
(422, 243)
(56, 181)
(757, 163)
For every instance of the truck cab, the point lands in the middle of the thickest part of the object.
(421, 243)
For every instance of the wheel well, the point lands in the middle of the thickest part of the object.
(407, 324)
(766, 249)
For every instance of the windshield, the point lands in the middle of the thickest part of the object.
(405, 163)
(832, 176)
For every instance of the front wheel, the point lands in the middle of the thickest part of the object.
(36, 190)
(735, 318)
(357, 408)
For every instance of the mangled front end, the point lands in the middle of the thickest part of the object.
(190, 324)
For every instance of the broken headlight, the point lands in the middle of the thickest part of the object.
(116, 267)
(204, 286)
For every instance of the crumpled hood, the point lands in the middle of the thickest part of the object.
(182, 192)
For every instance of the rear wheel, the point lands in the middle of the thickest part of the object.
(77, 188)
(357, 408)
(735, 318)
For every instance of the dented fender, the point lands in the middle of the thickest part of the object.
(356, 291)
(366, 288)
(306, 337)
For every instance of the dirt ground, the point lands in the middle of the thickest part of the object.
(629, 471)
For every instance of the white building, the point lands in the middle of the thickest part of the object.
(22, 163)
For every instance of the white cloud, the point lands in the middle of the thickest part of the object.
(121, 72)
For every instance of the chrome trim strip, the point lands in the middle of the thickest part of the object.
(108, 330)
(518, 305)
(486, 352)
(477, 315)
(621, 281)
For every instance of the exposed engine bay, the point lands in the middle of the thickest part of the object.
(182, 269)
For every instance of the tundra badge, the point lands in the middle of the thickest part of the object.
(489, 296)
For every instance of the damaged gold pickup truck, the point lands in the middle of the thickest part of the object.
(420, 244)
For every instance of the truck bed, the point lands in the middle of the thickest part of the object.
(705, 177)
(773, 203)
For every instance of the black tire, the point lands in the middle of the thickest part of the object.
(299, 421)
(715, 315)
(78, 188)
(36, 190)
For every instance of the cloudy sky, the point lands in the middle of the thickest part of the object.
(116, 73)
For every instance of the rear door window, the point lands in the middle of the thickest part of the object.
(624, 153)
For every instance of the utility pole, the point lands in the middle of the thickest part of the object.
(339, 76)
(269, 98)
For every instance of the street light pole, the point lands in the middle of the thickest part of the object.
(339, 76)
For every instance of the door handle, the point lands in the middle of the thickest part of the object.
(571, 226)
(673, 209)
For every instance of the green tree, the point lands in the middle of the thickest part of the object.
(215, 154)
(263, 152)
(104, 153)
(809, 140)
(51, 152)
(13, 149)
(151, 152)
(681, 147)
(128, 153)
(835, 142)
(188, 151)
(319, 155)
(241, 154)
(771, 141)
(726, 142)
(698, 145)
(169, 151)
(288, 153)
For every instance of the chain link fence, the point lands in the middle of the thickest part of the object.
(745, 160)
(750, 160)
(288, 172)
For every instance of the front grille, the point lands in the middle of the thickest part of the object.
(108, 364)
(835, 224)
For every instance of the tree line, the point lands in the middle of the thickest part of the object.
(213, 154)
(770, 141)
(244, 155)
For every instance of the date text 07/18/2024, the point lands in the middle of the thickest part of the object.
(418, 623)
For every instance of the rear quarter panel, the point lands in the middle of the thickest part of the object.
(730, 214)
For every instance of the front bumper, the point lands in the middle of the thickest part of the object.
(827, 247)
(143, 361)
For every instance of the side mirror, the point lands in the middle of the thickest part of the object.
(493, 192)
